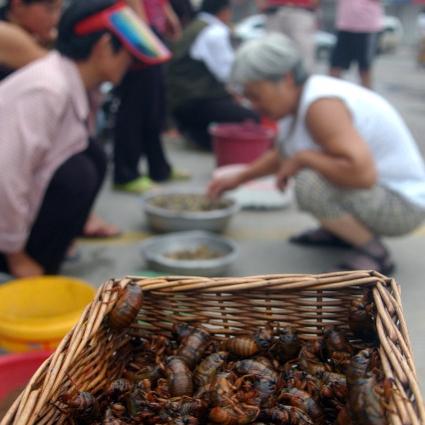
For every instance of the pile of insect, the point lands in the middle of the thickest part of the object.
(273, 349)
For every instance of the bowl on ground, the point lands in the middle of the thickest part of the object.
(177, 210)
(195, 253)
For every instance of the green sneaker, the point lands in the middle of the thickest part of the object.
(138, 186)
(179, 175)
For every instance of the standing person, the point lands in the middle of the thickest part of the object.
(358, 23)
(198, 73)
(420, 25)
(49, 173)
(295, 19)
(357, 168)
(141, 114)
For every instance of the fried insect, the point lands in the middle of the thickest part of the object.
(81, 405)
(207, 369)
(119, 389)
(126, 308)
(303, 400)
(179, 377)
(337, 348)
(286, 415)
(361, 318)
(233, 414)
(193, 346)
(287, 345)
(246, 346)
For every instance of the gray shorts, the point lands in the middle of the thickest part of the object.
(380, 209)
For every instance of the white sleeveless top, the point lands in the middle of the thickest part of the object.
(397, 158)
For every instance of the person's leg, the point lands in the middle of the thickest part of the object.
(128, 128)
(153, 113)
(341, 55)
(96, 227)
(358, 217)
(365, 48)
(64, 211)
(208, 111)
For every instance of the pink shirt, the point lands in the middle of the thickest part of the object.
(155, 14)
(43, 113)
(359, 15)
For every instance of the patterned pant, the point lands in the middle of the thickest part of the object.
(381, 210)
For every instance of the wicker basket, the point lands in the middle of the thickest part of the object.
(92, 354)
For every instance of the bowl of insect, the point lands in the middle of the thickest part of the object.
(195, 253)
(181, 210)
(37, 312)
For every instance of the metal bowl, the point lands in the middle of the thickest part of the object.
(167, 220)
(155, 251)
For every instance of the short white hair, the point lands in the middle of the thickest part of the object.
(267, 58)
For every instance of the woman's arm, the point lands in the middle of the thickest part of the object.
(267, 164)
(345, 158)
(17, 48)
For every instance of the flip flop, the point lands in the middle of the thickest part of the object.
(318, 237)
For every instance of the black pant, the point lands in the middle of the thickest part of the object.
(66, 205)
(139, 122)
(194, 117)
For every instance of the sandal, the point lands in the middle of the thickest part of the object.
(319, 237)
(361, 260)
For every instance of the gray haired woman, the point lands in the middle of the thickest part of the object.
(357, 168)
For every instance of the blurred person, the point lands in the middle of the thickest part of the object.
(26, 26)
(184, 11)
(295, 19)
(141, 115)
(37, 17)
(420, 25)
(358, 23)
(356, 166)
(198, 73)
(49, 174)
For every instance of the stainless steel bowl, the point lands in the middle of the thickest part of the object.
(166, 220)
(155, 251)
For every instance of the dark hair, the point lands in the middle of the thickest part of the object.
(80, 47)
(214, 6)
(8, 3)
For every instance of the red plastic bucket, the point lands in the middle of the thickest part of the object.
(15, 372)
(240, 143)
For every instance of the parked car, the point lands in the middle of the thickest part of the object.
(388, 39)
(254, 27)
(391, 34)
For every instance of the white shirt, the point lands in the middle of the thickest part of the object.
(397, 158)
(212, 46)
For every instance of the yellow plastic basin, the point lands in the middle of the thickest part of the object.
(36, 313)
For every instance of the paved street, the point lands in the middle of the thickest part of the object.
(262, 235)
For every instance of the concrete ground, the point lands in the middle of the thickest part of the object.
(262, 236)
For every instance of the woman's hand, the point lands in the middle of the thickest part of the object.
(221, 184)
(288, 168)
(22, 265)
